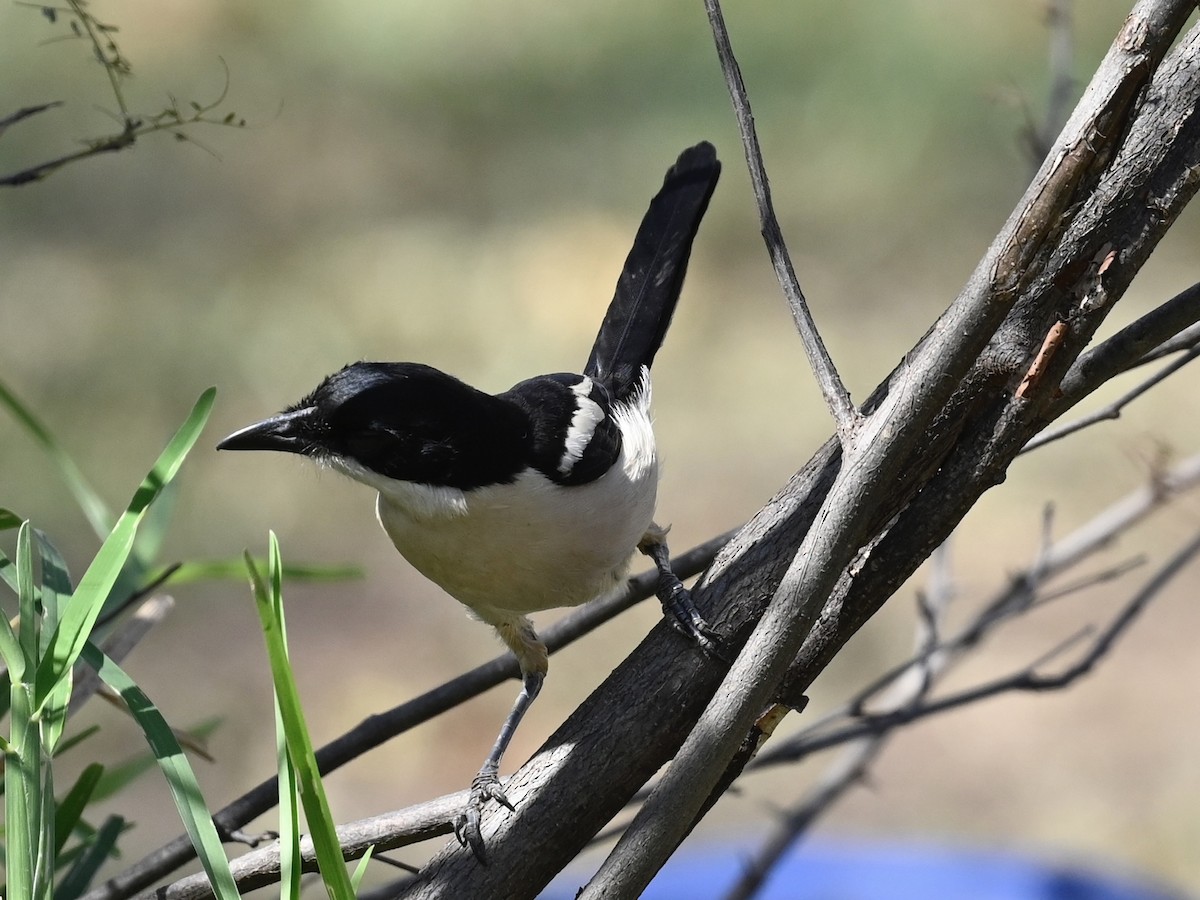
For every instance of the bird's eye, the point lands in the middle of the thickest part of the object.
(370, 443)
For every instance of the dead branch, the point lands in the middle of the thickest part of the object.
(837, 398)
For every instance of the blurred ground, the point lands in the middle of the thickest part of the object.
(457, 183)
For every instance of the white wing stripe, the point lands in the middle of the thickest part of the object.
(588, 415)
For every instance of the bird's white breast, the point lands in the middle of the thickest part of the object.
(530, 544)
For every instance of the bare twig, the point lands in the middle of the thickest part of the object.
(849, 768)
(1112, 410)
(1022, 594)
(837, 398)
(25, 112)
(1171, 327)
(260, 867)
(1185, 340)
(1027, 679)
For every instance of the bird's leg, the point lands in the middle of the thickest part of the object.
(676, 601)
(485, 786)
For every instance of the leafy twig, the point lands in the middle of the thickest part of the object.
(116, 65)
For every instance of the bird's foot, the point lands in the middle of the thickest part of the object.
(681, 612)
(484, 787)
(676, 600)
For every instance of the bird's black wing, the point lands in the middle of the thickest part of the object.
(637, 319)
(574, 437)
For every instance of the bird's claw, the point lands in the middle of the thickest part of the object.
(484, 787)
(686, 619)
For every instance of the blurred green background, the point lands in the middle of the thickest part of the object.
(457, 183)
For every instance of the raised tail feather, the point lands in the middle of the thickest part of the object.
(637, 319)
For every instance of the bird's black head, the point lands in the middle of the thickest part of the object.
(402, 421)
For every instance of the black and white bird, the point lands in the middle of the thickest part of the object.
(530, 499)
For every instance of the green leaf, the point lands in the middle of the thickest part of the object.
(21, 580)
(73, 631)
(87, 864)
(56, 583)
(28, 821)
(153, 532)
(269, 601)
(197, 819)
(70, 810)
(291, 868)
(9, 519)
(27, 626)
(361, 869)
(94, 509)
(290, 860)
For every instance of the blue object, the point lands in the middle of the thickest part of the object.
(831, 871)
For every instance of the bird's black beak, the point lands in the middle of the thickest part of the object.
(287, 432)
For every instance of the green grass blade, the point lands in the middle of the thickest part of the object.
(290, 865)
(94, 509)
(10, 647)
(361, 869)
(68, 639)
(56, 584)
(88, 863)
(28, 834)
(197, 820)
(70, 810)
(269, 601)
(28, 795)
(8, 574)
(27, 626)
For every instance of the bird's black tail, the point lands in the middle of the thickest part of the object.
(637, 319)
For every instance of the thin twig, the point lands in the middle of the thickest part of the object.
(1095, 578)
(25, 112)
(115, 65)
(1027, 679)
(1168, 328)
(837, 398)
(1185, 340)
(1021, 595)
(261, 867)
(1112, 410)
